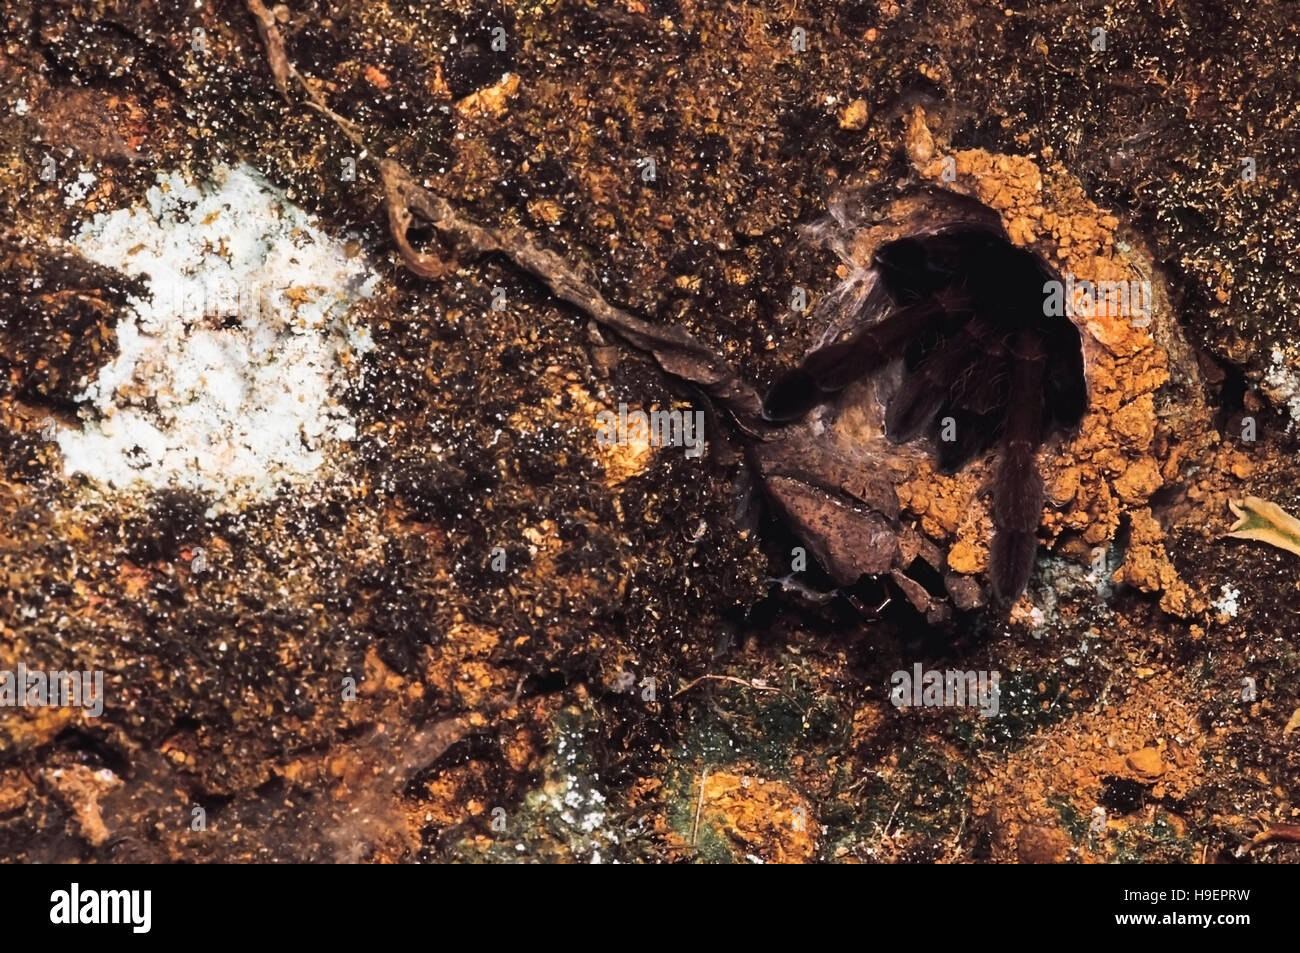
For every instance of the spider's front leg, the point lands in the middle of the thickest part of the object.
(932, 384)
(978, 406)
(1018, 487)
(828, 370)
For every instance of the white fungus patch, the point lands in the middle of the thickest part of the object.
(230, 370)
(1282, 383)
(1227, 601)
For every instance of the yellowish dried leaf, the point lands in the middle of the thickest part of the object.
(1293, 724)
(1266, 522)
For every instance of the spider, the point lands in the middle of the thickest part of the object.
(982, 363)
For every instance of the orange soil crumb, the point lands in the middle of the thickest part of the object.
(764, 817)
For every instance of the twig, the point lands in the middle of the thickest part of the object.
(699, 806)
(274, 43)
(314, 101)
(961, 829)
(758, 687)
(885, 832)
(1282, 832)
(675, 351)
(740, 681)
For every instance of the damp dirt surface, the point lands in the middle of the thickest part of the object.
(478, 633)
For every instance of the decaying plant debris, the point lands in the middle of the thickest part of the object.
(1267, 522)
(347, 675)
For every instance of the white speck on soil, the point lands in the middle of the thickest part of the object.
(1227, 602)
(1282, 383)
(78, 188)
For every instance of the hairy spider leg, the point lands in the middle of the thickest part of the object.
(1011, 379)
(930, 386)
(978, 406)
(828, 370)
(1018, 487)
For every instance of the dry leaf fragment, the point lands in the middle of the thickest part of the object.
(492, 100)
(1264, 521)
(1278, 832)
(1293, 724)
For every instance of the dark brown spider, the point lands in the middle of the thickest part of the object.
(982, 362)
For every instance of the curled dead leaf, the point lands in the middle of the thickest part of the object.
(1265, 522)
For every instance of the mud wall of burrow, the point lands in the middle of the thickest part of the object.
(1148, 424)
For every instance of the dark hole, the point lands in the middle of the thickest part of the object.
(544, 683)
(1122, 794)
(1233, 385)
(472, 63)
(95, 750)
(927, 576)
(856, 17)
